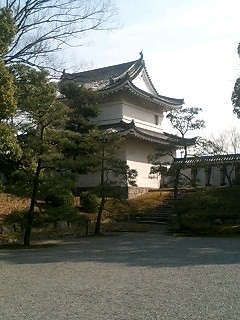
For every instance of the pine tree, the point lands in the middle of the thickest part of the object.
(9, 148)
(42, 129)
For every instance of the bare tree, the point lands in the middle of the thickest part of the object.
(234, 139)
(227, 142)
(45, 27)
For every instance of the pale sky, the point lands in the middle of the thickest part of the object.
(189, 47)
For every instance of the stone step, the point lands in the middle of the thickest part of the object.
(152, 219)
(164, 208)
(160, 215)
(153, 222)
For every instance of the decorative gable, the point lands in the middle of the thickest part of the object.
(127, 94)
(132, 76)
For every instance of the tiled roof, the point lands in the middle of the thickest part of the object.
(119, 77)
(209, 159)
(181, 141)
(102, 78)
(130, 129)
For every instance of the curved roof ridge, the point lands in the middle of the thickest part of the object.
(134, 69)
(149, 78)
(121, 76)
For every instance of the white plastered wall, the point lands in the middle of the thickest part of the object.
(93, 180)
(143, 112)
(215, 178)
(137, 152)
(143, 118)
(110, 113)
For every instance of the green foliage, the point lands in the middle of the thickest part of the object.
(7, 30)
(42, 136)
(8, 101)
(105, 161)
(106, 148)
(236, 98)
(9, 148)
(89, 202)
(184, 119)
(83, 105)
(60, 199)
(83, 108)
(42, 130)
(236, 93)
(37, 99)
(199, 209)
(63, 212)
(16, 217)
(7, 88)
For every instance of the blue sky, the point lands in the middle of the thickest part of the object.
(189, 46)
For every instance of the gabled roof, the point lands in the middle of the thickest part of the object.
(102, 78)
(130, 129)
(119, 77)
(209, 160)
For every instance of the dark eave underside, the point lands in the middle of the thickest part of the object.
(128, 85)
(130, 129)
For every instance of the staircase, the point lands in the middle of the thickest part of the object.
(160, 215)
(163, 213)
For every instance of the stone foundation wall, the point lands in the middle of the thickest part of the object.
(137, 191)
(120, 192)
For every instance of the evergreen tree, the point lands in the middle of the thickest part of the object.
(106, 162)
(83, 110)
(236, 93)
(42, 129)
(183, 120)
(9, 148)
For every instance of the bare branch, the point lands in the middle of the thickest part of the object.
(46, 27)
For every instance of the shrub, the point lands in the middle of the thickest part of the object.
(16, 217)
(20, 217)
(64, 212)
(89, 202)
(60, 199)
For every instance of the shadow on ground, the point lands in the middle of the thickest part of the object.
(133, 249)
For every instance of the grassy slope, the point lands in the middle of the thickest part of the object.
(211, 210)
(144, 204)
(117, 214)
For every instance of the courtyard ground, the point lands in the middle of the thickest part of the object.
(122, 276)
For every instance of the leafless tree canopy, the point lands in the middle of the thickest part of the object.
(226, 142)
(47, 26)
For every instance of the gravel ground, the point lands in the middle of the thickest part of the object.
(125, 276)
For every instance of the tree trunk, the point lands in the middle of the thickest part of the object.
(101, 207)
(176, 184)
(176, 189)
(99, 216)
(228, 175)
(28, 230)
